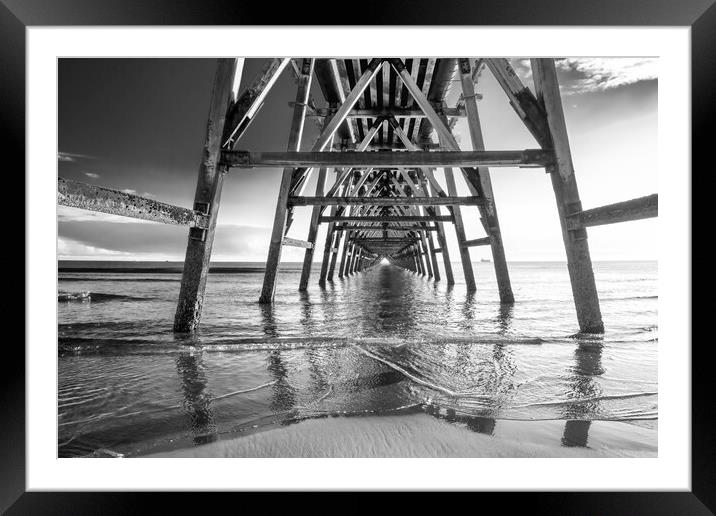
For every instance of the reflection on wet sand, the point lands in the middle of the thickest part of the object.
(197, 401)
(284, 395)
(385, 343)
(581, 382)
(481, 425)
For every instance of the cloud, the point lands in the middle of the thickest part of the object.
(579, 75)
(129, 191)
(68, 214)
(71, 156)
(586, 75)
(91, 175)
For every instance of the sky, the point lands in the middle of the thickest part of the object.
(139, 125)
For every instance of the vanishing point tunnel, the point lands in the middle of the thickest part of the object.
(385, 134)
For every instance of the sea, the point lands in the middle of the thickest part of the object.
(381, 343)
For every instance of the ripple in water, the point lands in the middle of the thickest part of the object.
(380, 343)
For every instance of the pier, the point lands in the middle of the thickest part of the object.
(386, 135)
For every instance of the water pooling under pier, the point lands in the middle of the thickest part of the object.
(379, 344)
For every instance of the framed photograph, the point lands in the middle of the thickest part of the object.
(435, 248)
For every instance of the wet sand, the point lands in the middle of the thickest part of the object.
(420, 435)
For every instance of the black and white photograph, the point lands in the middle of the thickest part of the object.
(429, 247)
(358, 257)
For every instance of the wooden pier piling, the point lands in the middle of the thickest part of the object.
(384, 130)
(206, 201)
(287, 178)
(564, 183)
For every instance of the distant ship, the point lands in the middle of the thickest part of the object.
(485, 260)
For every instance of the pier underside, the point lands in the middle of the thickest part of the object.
(387, 165)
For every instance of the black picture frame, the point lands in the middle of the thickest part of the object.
(17, 15)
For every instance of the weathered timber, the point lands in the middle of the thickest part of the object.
(525, 104)
(488, 210)
(295, 242)
(425, 254)
(470, 284)
(397, 112)
(312, 233)
(328, 250)
(633, 209)
(97, 198)
(394, 218)
(384, 201)
(343, 88)
(206, 199)
(279, 223)
(386, 240)
(334, 256)
(477, 242)
(441, 126)
(346, 172)
(332, 240)
(329, 130)
(425, 176)
(347, 227)
(564, 184)
(433, 256)
(315, 159)
(241, 112)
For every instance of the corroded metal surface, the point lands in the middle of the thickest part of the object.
(96, 198)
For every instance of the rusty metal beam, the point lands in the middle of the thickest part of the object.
(97, 198)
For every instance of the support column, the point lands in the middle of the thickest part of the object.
(433, 256)
(442, 241)
(351, 259)
(422, 256)
(446, 254)
(294, 144)
(328, 253)
(429, 235)
(206, 199)
(564, 183)
(312, 232)
(331, 247)
(344, 254)
(426, 254)
(356, 259)
(460, 233)
(334, 256)
(489, 210)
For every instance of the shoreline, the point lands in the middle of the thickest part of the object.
(423, 436)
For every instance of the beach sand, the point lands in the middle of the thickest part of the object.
(421, 435)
